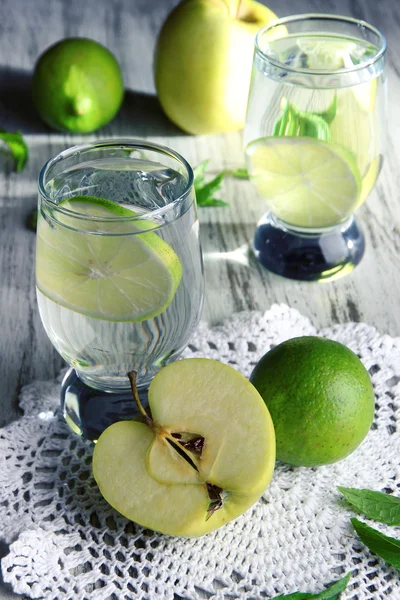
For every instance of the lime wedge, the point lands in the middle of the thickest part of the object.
(365, 94)
(118, 274)
(306, 182)
(327, 53)
(369, 179)
(333, 54)
(355, 128)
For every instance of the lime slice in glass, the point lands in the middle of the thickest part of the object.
(369, 179)
(327, 53)
(306, 182)
(356, 129)
(116, 274)
(365, 94)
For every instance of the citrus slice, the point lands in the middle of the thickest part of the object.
(365, 94)
(327, 53)
(370, 178)
(356, 129)
(117, 274)
(306, 182)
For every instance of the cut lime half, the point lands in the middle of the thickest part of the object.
(306, 182)
(120, 274)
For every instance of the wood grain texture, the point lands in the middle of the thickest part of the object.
(234, 281)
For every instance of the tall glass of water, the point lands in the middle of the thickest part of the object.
(314, 139)
(118, 269)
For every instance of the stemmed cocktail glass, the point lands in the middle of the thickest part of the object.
(313, 140)
(118, 269)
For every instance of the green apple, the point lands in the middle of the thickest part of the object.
(205, 455)
(203, 62)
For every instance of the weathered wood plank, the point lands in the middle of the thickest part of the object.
(234, 280)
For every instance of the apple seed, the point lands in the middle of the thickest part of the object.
(217, 497)
(193, 442)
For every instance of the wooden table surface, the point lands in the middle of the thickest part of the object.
(129, 28)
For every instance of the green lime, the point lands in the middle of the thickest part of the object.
(320, 398)
(306, 182)
(115, 273)
(77, 85)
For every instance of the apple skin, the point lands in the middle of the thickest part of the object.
(203, 64)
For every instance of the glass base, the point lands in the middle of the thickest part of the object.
(88, 411)
(316, 256)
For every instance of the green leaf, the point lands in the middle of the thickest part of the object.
(241, 173)
(288, 122)
(374, 505)
(205, 191)
(332, 592)
(17, 146)
(330, 113)
(294, 123)
(213, 202)
(384, 546)
(314, 126)
(32, 220)
(294, 596)
(199, 173)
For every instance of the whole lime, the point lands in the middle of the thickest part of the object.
(320, 398)
(77, 85)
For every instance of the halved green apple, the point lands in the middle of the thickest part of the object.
(206, 454)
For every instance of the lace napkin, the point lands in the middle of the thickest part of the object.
(66, 542)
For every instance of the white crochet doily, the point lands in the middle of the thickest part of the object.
(66, 542)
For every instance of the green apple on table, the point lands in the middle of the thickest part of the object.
(203, 457)
(203, 62)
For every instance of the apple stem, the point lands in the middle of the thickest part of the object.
(239, 6)
(133, 378)
(233, 7)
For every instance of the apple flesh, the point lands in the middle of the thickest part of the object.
(206, 454)
(203, 63)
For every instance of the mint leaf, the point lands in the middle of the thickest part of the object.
(32, 220)
(287, 124)
(205, 191)
(17, 146)
(330, 113)
(374, 505)
(314, 126)
(384, 546)
(240, 173)
(294, 123)
(294, 596)
(213, 202)
(330, 593)
(209, 188)
(199, 173)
